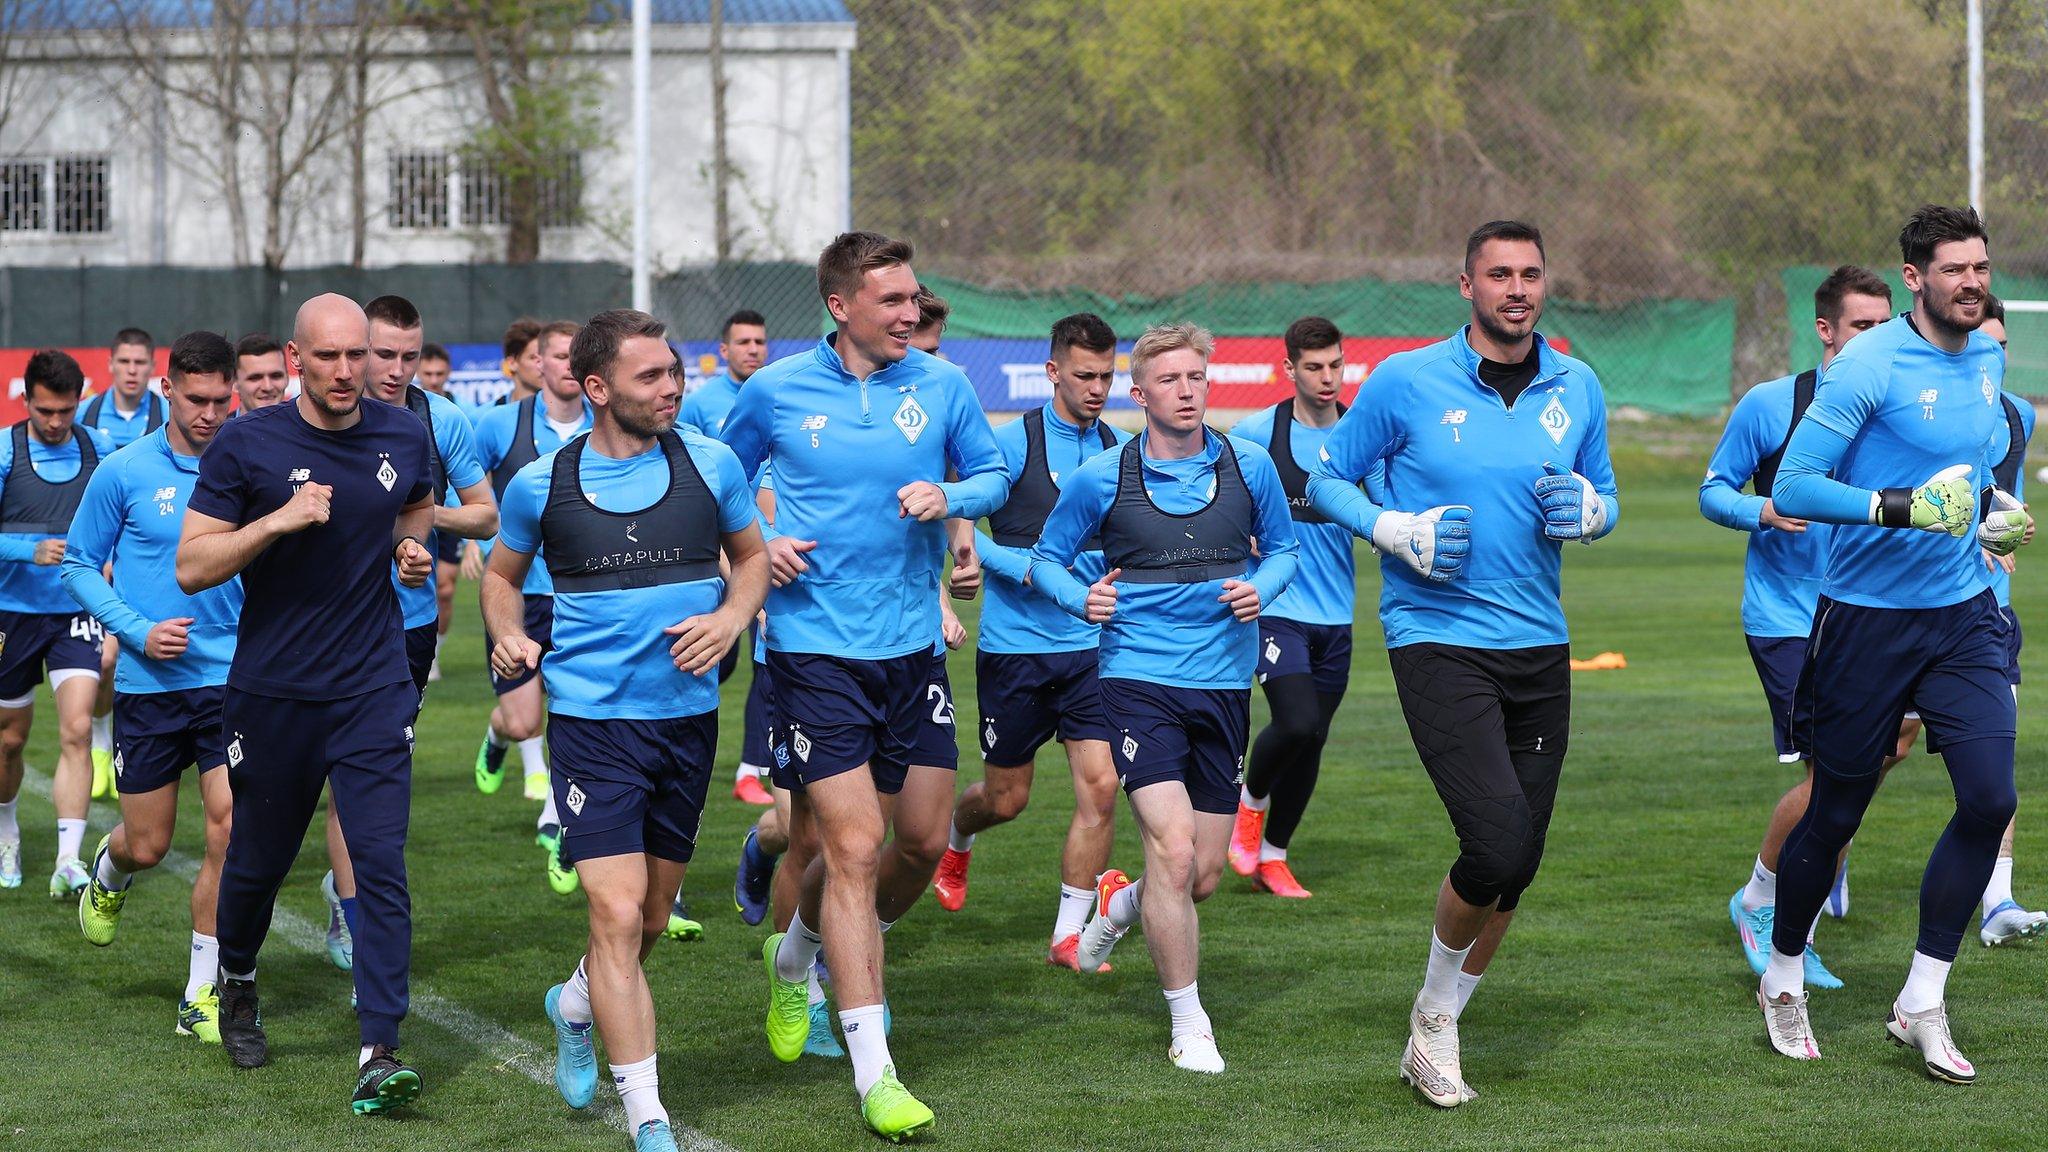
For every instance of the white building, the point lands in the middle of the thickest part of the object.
(98, 167)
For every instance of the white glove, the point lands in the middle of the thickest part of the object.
(1434, 543)
(2006, 526)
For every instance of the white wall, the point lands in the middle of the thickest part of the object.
(786, 133)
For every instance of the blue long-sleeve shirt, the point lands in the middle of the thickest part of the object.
(706, 408)
(1325, 586)
(2001, 583)
(457, 445)
(1891, 411)
(842, 448)
(132, 514)
(1781, 572)
(1426, 432)
(26, 586)
(1181, 635)
(1013, 617)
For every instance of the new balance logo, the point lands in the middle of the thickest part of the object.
(1454, 416)
(812, 423)
(166, 494)
(298, 476)
(1930, 395)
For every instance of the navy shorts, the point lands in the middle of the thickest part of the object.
(1194, 735)
(540, 628)
(447, 548)
(756, 746)
(1028, 698)
(157, 735)
(34, 642)
(937, 744)
(1292, 648)
(627, 787)
(1867, 667)
(836, 713)
(1778, 660)
(419, 652)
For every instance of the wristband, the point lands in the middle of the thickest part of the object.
(1895, 507)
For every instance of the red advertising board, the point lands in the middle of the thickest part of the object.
(94, 360)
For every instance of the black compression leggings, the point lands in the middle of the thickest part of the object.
(1288, 754)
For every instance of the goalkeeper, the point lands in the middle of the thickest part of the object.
(1895, 450)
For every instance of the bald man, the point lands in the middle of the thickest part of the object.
(310, 502)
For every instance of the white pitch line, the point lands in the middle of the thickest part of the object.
(508, 1050)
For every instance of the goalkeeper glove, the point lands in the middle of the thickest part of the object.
(1572, 509)
(1433, 543)
(2005, 525)
(1944, 502)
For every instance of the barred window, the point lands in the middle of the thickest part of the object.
(485, 196)
(66, 195)
(21, 195)
(78, 194)
(419, 190)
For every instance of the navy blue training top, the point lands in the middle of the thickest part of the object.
(319, 619)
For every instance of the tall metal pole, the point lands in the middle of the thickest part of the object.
(1976, 34)
(643, 68)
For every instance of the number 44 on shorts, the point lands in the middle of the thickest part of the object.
(88, 629)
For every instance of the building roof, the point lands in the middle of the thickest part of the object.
(56, 14)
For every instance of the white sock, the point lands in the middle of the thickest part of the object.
(492, 738)
(1128, 904)
(1468, 983)
(757, 771)
(1245, 797)
(884, 925)
(740, 773)
(363, 1057)
(1185, 1005)
(798, 951)
(1926, 983)
(110, 877)
(70, 838)
(244, 977)
(640, 1091)
(103, 733)
(1075, 904)
(9, 829)
(956, 841)
(866, 1045)
(574, 1002)
(548, 814)
(531, 755)
(817, 990)
(2000, 889)
(439, 640)
(204, 967)
(1440, 977)
(1268, 852)
(1762, 889)
(1784, 974)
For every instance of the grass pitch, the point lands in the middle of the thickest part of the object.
(1619, 1014)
